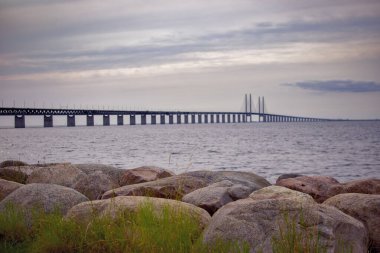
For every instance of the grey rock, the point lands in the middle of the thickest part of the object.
(49, 197)
(364, 207)
(145, 174)
(115, 174)
(61, 174)
(288, 175)
(171, 188)
(258, 222)
(94, 185)
(236, 177)
(210, 198)
(7, 187)
(84, 211)
(278, 192)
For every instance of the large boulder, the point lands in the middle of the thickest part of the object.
(322, 187)
(364, 207)
(61, 174)
(366, 186)
(144, 174)
(216, 195)
(278, 192)
(94, 185)
(114, 174)
(237, 177)
(266, 223)
(84, 211)
(49, 197)
(11, 163)
(316, 186)
(7, 187)
(170, 188)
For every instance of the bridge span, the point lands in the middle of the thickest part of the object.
(156, 117)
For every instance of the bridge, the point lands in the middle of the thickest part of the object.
(181, 117)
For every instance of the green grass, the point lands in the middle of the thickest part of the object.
(143, 231)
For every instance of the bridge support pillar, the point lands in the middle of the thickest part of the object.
(162, 119)
(171, 119)
(71, 120)
(199, 118)
(132, 120)
(143, 119)
(90, 120)
(211, 118)
(19, 121)
(192, 118)
(206, 118)
(179, 119)
(186, 118)
(153, 119)
(106, 120)
(233, 118)
(223, 118)
(218, 118)
(228, 118)
(48, 120)
(120, 120)
(238, 118)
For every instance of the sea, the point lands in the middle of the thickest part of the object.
(345, 150)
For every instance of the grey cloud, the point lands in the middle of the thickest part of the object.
(338, 86)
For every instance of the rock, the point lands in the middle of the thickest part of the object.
(363, 207)
(7, 187)
(176, 187)
(144, 174)
(27, 170)
(258, 223)
(316, 186)
(94, 185)
(216, 195)
(11, 163)
(237, 177)
(367, 186)
(47, 196)
(84, 211)
(115, 174)
(279, 192)
(210, 198)
(288, 175)
(15, 175)
(61, 174)
(171, 188)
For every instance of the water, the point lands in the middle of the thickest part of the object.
(344, 150)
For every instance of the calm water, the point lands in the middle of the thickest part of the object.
(344, 150)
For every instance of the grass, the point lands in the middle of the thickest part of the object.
(143, 231)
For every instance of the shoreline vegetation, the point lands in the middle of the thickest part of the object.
(98, 208)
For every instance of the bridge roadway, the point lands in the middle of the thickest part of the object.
(185, 117)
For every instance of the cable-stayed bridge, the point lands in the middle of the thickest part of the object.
(247, 114)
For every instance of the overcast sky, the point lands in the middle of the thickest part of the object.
(310, 58)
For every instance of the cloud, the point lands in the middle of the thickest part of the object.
(338, 86)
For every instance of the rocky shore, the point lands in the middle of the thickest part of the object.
(229, 205)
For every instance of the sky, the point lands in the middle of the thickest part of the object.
(307, 58)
